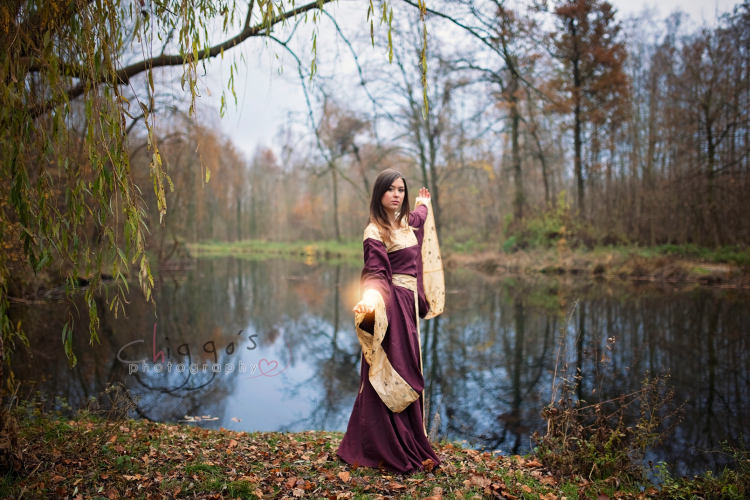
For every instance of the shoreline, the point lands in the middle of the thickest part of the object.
(612, 264)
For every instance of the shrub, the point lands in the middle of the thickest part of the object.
(555, 227)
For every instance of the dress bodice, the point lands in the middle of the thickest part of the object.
(404, 261)
(402, 250)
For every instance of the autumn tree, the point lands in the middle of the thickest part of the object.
(588, 44)
(338, 133)
(510, 34)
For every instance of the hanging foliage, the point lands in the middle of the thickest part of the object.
(67, 197)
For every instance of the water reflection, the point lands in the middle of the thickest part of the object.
(488, 358)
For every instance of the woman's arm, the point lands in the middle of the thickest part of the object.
(376, 274)
(418, 216)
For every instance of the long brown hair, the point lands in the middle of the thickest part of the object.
(378, 215)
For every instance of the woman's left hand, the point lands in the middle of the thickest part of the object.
(424, 193)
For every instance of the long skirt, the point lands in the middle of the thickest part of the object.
(376, 436)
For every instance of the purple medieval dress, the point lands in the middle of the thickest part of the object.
(375, 435)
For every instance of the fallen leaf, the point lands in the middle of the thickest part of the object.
(602, 496)
(395, 486)
(480, 481)
(298, 492)
(533, 463)
(429, 464)
(526, 488)
(344, 476)
(105, 476)
(257, 493)
(112, 494)
(57, 479)
(437, 491)
(548, 496)
(290, 484)
(233, 443)
(344, 495)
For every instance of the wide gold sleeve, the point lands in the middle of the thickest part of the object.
(391, 387)
(433, 280)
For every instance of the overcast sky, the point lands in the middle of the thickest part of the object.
(265, 98)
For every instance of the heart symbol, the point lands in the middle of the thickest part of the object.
(272, 364)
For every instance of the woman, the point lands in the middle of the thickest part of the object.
(401, 256)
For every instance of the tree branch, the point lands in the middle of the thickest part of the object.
(123, 76)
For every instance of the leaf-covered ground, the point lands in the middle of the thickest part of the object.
(86, 458)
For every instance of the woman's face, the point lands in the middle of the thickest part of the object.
(394, 197)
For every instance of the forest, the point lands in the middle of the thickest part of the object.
(565, 122)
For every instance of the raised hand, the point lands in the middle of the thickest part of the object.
(362, 307)
(424, 193)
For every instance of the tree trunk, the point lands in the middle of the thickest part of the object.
(518, 199)
(712, 211)
(577, 165)
(578, 118)
(335, 204)
(650, 159)
(239, 219)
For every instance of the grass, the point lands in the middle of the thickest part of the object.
(734, 255)
(692, 259)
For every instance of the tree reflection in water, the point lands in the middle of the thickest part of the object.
(487, 359)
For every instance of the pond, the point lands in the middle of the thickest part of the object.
(281, 334)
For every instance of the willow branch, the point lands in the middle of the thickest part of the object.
(123, 76)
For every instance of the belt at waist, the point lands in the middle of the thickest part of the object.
(406, 281)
